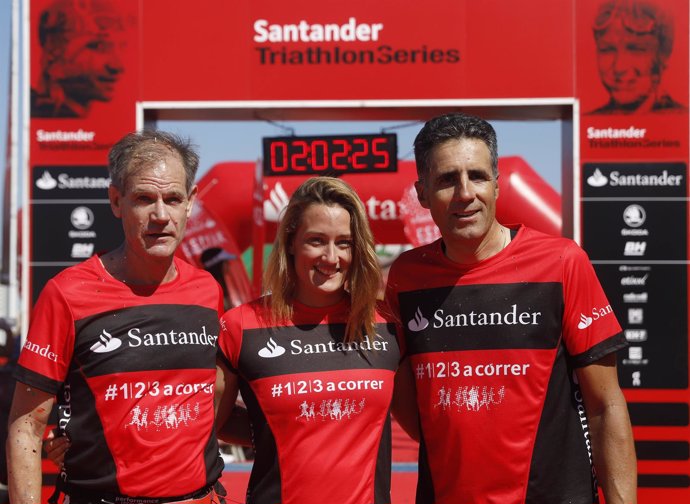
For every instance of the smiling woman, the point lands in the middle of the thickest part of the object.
(322, 251)
(317, 358)
(331, 207)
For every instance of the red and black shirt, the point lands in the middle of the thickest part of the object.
(134, 373)
(492, 348)
(319, 406)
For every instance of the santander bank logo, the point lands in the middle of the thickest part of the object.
(585, 321)
(106, 343)
(272, 349)
(46, 182)
(418, 323)
(596, 314)
(276, 203)
(597, 179)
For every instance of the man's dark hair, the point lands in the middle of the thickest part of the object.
(146, 146)
(453, 126)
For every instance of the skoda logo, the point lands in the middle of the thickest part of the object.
(634, 215)
(82, 217)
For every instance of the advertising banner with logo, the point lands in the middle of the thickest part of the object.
(623, 64)
(632, 82)
(357, 49)
(632, 79)
(84, 76)
(71, 219)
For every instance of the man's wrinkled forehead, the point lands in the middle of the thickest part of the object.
(67, 19)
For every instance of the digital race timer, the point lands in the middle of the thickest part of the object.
(320, 155)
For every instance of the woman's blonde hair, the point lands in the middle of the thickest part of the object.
(364, 278)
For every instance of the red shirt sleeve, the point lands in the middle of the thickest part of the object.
(50, 342)
(230, 339)
(392, 307)
(588, 319)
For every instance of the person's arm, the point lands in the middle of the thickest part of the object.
(232, 421)
(220, 387)
(404, 404)
(27, 423)
(613, 448)
(235, 430)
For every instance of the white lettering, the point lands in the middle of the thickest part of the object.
(42, 351)
(582, 414)
(352, 31)
(295, 344)
(355, 385)
(634, 280)
(639, 179)
(65, 136)
(597, 313)
(67, 182)
(381, 210)
(332, 346)
(496, 370)
(65, 409)
(171, 338)
(511, 317)
(631, 132)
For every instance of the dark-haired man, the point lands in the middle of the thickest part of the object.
(510, 345)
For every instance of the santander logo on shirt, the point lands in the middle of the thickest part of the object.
(42, 351)
(136, 338)
(106, 343)
(597, 313)
(419, 322)
(510, 316)
(298, 347)
(272, 349)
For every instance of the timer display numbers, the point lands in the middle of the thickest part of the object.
(330, 155)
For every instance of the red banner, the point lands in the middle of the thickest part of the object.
(358, 49)
(84, 78)
(632, 82)
(624, 63)
(84, 75)
(632, 79)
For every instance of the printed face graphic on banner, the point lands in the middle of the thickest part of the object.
(80, 61)
(634, 39)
